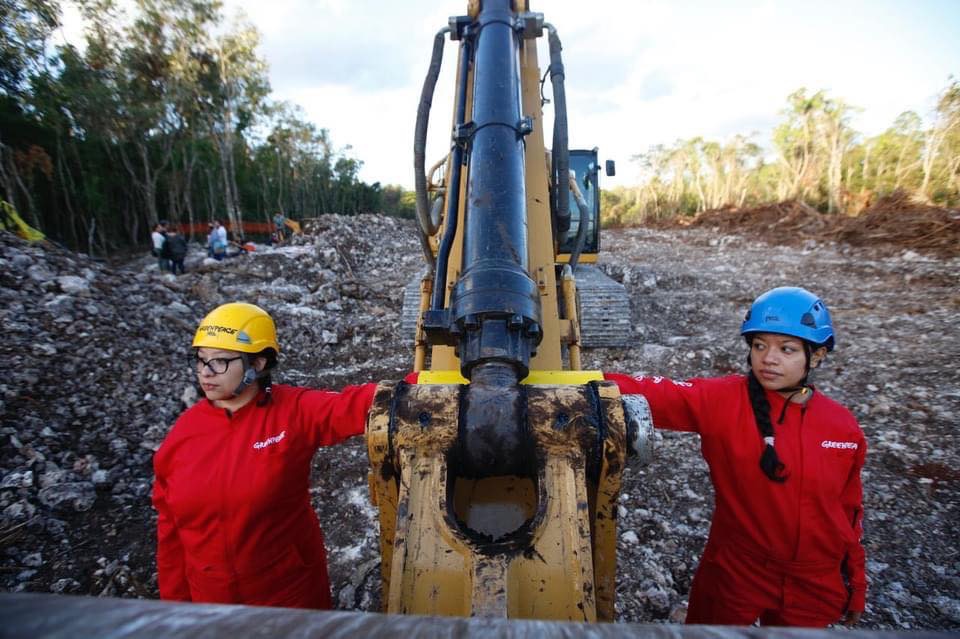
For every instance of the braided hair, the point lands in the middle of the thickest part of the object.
(770, 463)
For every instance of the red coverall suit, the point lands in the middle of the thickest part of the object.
(776, 551)
(235, 523)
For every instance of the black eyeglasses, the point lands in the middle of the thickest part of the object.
(217, 365)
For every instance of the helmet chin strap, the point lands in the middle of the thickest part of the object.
(250, 375)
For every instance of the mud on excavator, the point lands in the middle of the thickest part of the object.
(497, 473)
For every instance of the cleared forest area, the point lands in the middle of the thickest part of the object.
(814, 156)
(98, 377)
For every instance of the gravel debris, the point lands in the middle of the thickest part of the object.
(98, 374)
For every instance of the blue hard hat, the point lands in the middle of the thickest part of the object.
(790, 310)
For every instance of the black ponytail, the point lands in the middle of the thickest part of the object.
(266, 385)
(264, 379)
(770, 463)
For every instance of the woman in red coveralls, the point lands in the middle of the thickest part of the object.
(235, 523)
(785, 460)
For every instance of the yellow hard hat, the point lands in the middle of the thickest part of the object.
(237, 326)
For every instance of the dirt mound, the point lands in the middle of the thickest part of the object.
(900, 221)
(790, 219)
(895, 222)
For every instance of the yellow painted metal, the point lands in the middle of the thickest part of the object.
(569, 290)
(603, 504)
(585, 258)
(420, 339)
(382, 478)
(445, 357)
(540, 247)
(538, 546)
(535, 377)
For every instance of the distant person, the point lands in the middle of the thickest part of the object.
(158, 237)
(785, 461)
(279, 227)
(178, 251)
(210, 239)
(232, 489)
(236, 249)
(219, 240)
(221, 232)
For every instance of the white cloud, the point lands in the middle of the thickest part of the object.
(638, 73)
(363, 121)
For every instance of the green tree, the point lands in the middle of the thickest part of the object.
(940, 155)
(25, 28)
(231, 90)
(891, 160)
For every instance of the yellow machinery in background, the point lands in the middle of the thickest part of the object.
(11, 221)
(497, 474)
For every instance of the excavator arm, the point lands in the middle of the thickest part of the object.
(497, 474)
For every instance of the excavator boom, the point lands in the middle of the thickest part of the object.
(497, 474)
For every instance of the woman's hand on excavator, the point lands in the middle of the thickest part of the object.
(852, 618)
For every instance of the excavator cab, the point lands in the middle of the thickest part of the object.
(584, 169)
(603, 307)
(496, 475)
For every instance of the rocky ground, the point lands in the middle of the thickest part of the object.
(97, 374)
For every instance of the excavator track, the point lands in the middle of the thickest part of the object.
(411, 308)
(604, 309)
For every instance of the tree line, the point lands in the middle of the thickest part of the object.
(166, 113)
(818, 158)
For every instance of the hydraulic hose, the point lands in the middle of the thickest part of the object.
(560, 151)
(427, 227)
(453, 189)
(582, 227)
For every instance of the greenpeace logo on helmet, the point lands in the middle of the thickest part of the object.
(841, 445)
(213, 329)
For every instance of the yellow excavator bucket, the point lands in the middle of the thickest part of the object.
(540, 544)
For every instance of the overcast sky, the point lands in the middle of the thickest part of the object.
(638, 73)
